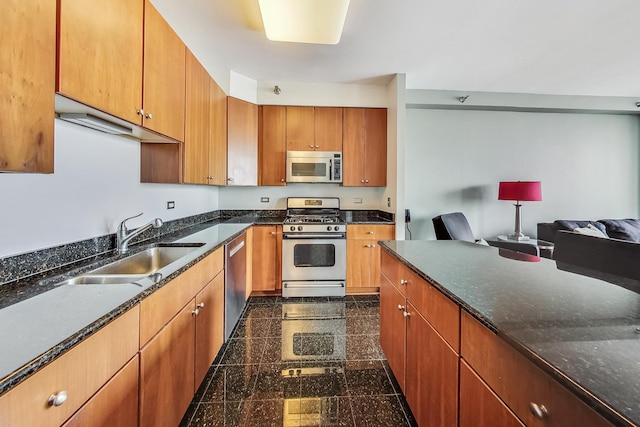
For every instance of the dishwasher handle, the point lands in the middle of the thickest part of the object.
(235, 249)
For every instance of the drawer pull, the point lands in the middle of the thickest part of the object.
(57, 399)
(406, 314)
(400, 307)
(201, 305)
(403, 282)
(370, 232)
(196, 312)
(538, 411)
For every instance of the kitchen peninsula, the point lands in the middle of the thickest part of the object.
(526, 342)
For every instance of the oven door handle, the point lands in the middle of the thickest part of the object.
(314, 236)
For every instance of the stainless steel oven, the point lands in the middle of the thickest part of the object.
(314, 249)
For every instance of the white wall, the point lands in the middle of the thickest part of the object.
(588, 165)
(96, 184)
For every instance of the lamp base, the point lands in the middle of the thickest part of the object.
(518, 237)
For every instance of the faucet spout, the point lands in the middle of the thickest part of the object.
(124, 235)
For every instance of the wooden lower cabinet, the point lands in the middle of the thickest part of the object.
(267, 258)
(80, 372)
(209, 326)
(479, 405)
(115, 405)
(167, 372)
(431, 385)
(363, 254)
(393, 328)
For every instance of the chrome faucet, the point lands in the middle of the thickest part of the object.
(123, 236)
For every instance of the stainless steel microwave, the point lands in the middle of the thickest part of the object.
(314, 166)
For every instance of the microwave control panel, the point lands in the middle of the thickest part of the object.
(337, 168)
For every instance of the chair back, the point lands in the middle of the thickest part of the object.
(453, 226)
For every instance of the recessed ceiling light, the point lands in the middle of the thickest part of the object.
(304, 21)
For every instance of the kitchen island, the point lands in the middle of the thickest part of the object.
(579, 333)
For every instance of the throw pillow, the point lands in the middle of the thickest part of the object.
(589, 231)
(623, 229)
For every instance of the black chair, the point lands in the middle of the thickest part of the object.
(453, 226)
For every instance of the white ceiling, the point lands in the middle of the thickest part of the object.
(571, 47)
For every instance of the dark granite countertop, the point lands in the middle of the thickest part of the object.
(582, 331)
(46, 318)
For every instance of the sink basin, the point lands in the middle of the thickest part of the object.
(136, 266)
(148, 261)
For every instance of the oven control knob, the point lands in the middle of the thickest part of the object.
(299, 228)
(336, 228)
(328, 228)
(292, 228)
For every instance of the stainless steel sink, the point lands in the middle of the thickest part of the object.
(135, 267)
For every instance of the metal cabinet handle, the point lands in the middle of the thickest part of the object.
(140, 112)
(281, 179)
(201, 305)
(366, 181)
(403, 282)
(273, 233)
(311, 146)
(362, 181)
(370, 232)
(400, 307)
(149, 116)
(317, 146)
(196, 312)
(57, 399)
(538, 411)
(406, 314)
(230, 179)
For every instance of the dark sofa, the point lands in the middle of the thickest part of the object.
(621, 229)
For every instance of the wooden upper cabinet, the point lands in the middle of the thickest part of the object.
(242, 142)
(27, 82)
(164, 76)
(197, 117)
(314, 128)
(364, 147)
(272, 145)
(217, 135)
(300, 129)
(328, 129)
(100, 54)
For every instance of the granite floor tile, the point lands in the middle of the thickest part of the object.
(242, 351)
(367, 377)
(326, 411)
(322, 379)
(264, 300)
(363, 347)
(219, 414)
(260, 311)
(368, 308)
(252, 327)
(277, 381)
(232, 383)
(264, 413)
(378, 410)
(363, 325)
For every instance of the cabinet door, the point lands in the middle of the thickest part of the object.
(273, 145)
(432, 374)
(218, 135)
(353, 134)
(392, 328)
(80, 372)
(265, 268)
(100, 54)
(328, 128)
(164, 76)
(209, 326)
(242, 142)
(167, 372)
(375, 147)
(27, 82)
(479, 405)
(359, 258)
(196, 134)
(115, 405)
(300, 129)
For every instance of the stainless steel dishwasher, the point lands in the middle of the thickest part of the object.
(235, 282)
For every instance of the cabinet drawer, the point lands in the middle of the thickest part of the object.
(80, 373)
(162, 305)
(397, 273)
(520, 383)
(370, 231)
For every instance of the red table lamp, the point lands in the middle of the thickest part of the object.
(520, 191)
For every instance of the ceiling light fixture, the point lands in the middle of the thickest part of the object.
(304, 21)
(277, 90)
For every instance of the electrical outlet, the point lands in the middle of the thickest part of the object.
(264, 199)
(171, 204)
(357, 200)
(388, 202)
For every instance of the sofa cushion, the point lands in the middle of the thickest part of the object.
(570, 225)
(590, 230)
(623, 229)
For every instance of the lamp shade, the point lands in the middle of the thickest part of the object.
(527, 191)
